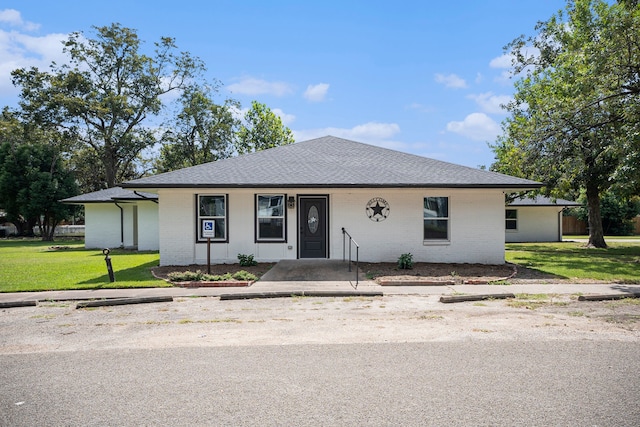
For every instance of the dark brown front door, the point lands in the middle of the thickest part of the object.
(312, 221)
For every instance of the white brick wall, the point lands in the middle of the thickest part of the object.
(148, 239)
(102, 226)
(176, 219)
(476, 226)
(536, 224)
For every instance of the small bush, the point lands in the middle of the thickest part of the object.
(405, 262)
(186, 276)
(246, 260)
(199, 276)
(244, 275)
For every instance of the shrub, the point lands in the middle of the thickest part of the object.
(405, 262)
(186, 276)
(246, 260)
(244, 275)
(199, 276)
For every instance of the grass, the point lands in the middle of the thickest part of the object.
(619, 263)
(32, 265)
(606, 238)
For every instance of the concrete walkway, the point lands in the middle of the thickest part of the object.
(339, 288)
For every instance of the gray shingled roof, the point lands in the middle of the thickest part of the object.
(330, 162)
(542, 201)
(109, 195)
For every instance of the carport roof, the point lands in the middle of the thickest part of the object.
(330, 162)
(542, 201)
(110, 195)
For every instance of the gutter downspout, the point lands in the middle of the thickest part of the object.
(121, 224)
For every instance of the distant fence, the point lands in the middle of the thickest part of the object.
(61, 230)
(64, 231)
(572, 225)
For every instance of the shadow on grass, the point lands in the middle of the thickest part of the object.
(139, 273)
(619, 263)
(528, 272)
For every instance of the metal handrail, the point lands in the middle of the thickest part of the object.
(351, 243)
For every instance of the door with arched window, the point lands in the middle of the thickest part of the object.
(312, 223)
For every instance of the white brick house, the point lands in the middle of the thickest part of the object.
(293, 202)
(537, 219)
(119, 218)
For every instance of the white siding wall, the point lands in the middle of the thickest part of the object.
(148, 239)
(128, 224)
(102, 226)
(476, 226)
(536, 224)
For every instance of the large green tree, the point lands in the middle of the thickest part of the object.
(201, 132)
(32, 176)
(575, 119)
(262, 129)
(107, 93)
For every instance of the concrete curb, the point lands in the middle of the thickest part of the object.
(122, 301)
(285, 294)
(463, 298)
(11, 304)
(607, 297)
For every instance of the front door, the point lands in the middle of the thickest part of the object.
(312, 222)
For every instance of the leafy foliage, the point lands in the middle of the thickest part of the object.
(246, 260)
(575, 119)
(262, 129)
(405, 261)
(32, 177)
(617, 214)
(199, 276)
(106, 94)
(202, 131)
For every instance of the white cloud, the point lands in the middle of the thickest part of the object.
(451, 80)
(14, 19)
(19, 50)
(502, 61)
(253, 86)
(372, 133)
(491, 103)
(476, 126)
(420, 107)
(316, 93)
(287, 119)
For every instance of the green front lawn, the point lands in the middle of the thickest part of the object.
(30, 265)
(571, 260)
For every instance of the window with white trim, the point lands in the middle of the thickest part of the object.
(436, 218)
(511, 219)
(212, 207)
(270, 218)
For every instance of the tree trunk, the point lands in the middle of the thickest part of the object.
(596, 233)
(47, 229)
(110, 168)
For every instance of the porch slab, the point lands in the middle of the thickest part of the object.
(311, 270)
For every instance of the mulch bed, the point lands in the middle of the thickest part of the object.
(216, 269)
(437, 273)
(388, 273)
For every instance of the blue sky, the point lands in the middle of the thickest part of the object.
(422, 77)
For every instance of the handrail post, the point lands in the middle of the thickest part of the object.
(357, 261)
(351, 241)
(343, 237)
